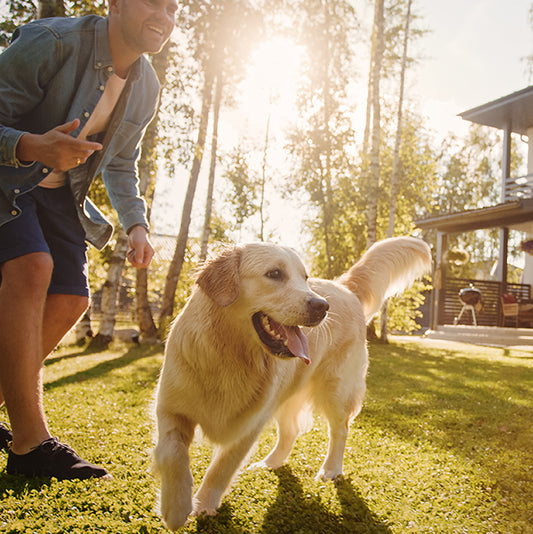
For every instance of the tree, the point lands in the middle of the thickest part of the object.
(147, 170)
(396, 157)
(320, 143)
(378, 46)
(110, 291)
(242, 197)
(218, 28)
(212, 169)
(167, 304)
(51, 8)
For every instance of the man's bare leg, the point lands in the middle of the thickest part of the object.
(31, 325)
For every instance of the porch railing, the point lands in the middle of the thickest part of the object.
(450, 306)
(518, 187)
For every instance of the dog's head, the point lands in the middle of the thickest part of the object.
(267, 285)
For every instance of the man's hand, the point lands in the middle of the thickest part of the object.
(140, 251)
(56, 148)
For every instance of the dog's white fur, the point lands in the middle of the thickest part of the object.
(218, 374)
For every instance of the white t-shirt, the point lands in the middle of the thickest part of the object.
(97, 123)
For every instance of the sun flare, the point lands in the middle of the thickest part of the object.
(272, 78)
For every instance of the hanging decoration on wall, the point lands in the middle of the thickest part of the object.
(527, 246)
(457, 256)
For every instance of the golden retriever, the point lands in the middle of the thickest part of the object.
(236, 356)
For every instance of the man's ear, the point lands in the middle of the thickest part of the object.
(219, 277)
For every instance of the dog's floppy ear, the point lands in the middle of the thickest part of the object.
(219, 277)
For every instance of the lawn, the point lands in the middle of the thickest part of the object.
(444, 444)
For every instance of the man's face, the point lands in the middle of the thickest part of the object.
(145, 25)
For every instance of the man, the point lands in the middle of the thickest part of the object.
(75, 97)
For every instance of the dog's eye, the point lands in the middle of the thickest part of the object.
(274, 274)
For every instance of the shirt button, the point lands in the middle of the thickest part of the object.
(109, 69)
(86, 114)
(14, 212)
(45, 170)
(102, 87)
(99, 64)
(16, 191)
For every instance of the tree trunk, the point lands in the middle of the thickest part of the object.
(263, 179)
(110, 290)
(373, 190)
(83, 330)
(328, 194)
(167, 306)
(212, 168)
(50, 8)
(399, 124)
(396, 160)
(146, 167)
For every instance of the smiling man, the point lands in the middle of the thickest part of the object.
(75, 98)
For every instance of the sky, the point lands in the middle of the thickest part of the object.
(472, 54)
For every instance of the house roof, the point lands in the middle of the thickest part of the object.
(514, 111)
(500, 216)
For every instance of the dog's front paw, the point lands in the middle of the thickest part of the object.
(206, 501)
(174, 518)
(175, 507)
(256, 466)
(329, 474)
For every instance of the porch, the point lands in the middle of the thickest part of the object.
(492, 336)
(511, 114)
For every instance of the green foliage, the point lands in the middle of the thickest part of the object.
(404, 310)
(19, 12)
(442, 445)
(242, 197)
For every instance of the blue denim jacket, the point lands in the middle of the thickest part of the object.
(54, 71)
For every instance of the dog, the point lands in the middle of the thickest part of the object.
(258, 338)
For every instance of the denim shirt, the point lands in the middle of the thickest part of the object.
(54, 71)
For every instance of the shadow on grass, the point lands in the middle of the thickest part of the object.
(294, 511)
(469, 404)
(134, 353)
(18, 486)
(222, 523)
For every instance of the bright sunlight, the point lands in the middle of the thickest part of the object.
(271, 82)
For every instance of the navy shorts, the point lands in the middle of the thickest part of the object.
(49, 223)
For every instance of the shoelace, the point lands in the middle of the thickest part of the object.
(53, 445)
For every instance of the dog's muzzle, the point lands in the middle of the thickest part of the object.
(286, 341)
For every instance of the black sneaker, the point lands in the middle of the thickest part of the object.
(6, 437)
(53, 459)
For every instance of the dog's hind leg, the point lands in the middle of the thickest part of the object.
(226, 461)
(341, 398)
(171, 462)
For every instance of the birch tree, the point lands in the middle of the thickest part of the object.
(396, 156)
(110, 291)
(378, 47)
(220, 29)
(147, 170)
(318, 143)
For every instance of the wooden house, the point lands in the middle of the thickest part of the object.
(511, 114)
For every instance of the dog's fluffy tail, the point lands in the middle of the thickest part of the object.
(386, 268)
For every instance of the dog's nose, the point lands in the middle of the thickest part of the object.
(317, 308)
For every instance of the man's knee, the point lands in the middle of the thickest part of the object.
(80, 305)
(28, 274)
(69, 308)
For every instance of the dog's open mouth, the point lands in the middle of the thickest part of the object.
(281, 340)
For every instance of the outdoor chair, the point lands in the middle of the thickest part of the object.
(516, 312)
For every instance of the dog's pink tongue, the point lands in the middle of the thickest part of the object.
(297, 343)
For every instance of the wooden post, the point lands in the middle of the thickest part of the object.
(438, 278)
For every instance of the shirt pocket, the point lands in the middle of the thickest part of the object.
(126, 139)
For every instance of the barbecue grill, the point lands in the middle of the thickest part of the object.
(471, 300)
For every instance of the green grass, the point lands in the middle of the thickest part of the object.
(444, 444)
